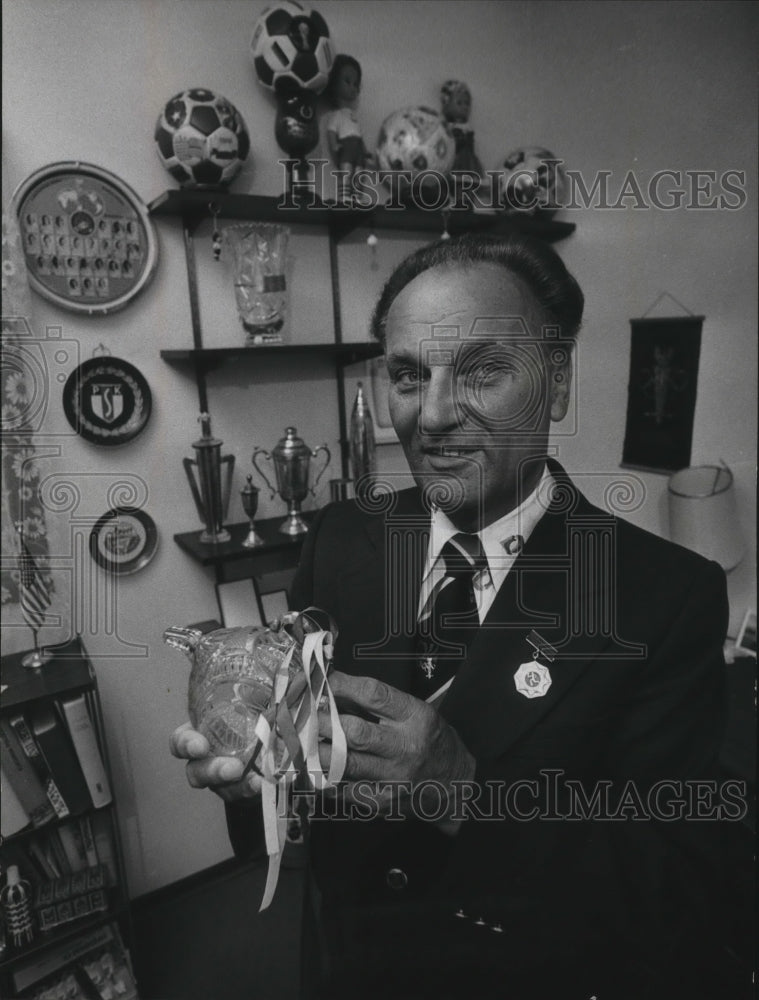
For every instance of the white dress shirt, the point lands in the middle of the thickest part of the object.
(501, 541)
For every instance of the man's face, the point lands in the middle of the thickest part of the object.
(473, 388)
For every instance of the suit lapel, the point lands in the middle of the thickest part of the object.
(483, 703)
(384, 587)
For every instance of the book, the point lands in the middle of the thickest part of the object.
(59, 755)
(43, 859)
(23, 778)
(101, 828)
(85, 742)
(54, 849)
(71, 841)
(35, 758)
(13, 816)
(88, 840)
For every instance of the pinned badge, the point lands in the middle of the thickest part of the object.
(532, 679)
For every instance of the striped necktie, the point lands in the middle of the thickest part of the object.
(449, 620)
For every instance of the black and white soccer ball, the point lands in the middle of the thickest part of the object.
(291, 44)
(202, 139)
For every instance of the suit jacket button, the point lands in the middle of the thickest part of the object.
(396, 878)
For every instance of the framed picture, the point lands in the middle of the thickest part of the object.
(746, 641)
(239, 603)
(376, 373)
(274, 605)
(88, 240)
(661, 393)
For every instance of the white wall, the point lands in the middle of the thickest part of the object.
(610, 86)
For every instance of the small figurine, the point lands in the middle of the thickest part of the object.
(456, 101)
(344, 138)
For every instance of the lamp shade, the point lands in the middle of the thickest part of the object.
(703, 515)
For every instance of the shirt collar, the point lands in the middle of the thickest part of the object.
(520, 521)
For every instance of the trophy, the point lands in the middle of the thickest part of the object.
(212, 496)
(291, 457)
(249, 494)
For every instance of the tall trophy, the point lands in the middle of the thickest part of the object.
(210, 493)
(292, 458)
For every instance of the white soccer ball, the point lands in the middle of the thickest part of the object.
(291, 43)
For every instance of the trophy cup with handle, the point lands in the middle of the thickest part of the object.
(292, 457)
(211, 494)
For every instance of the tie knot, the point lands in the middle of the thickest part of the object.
(463, 554)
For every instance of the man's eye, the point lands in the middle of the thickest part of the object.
(405, 378)
(489, 371)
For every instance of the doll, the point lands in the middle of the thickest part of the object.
(346, 144)
(456, 101)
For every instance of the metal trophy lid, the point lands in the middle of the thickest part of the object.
(291, 446)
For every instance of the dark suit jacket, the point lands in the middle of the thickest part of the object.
(547, 906)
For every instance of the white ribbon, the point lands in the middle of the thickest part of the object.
(300, 723)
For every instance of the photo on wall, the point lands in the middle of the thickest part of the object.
(661, 393)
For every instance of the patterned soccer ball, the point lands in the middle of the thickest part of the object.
(202, 139)
(415, 140)
(291, 43)
(532, 182)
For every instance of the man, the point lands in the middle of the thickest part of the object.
(517, 672)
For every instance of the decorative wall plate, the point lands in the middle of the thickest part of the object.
(87, 238)
(107, 400)
(124, 540)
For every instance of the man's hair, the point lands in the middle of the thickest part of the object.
(538, 266)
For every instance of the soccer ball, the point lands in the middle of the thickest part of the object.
(201, 137)
(415, 140)
(532, 182)
(292, 44)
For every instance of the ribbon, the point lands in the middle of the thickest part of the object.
(292, 719)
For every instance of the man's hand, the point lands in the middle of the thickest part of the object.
(409, 744)
(222, 775)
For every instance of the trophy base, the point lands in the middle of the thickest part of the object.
(36, 659)
(252, 540)
(214, 537)
(293, 524)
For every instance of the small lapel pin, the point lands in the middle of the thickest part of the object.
(513, 545)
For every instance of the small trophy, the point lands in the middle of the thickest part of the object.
(211, 496)
(249, 494)
(292, 457)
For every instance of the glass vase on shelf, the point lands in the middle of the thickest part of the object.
(259, 254)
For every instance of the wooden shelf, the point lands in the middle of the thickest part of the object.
(211, 357)
(268, 529)
(258, 208)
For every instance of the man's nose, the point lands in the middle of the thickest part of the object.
(438, 412)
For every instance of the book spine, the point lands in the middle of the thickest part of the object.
(101, 827)
(85, 742)
(23, 778)
(71, 842)
(13, 816)
(58, 753)
(30, 748)
(88, 841)
(54, 849)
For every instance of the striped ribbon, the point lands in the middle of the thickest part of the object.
(292, 719)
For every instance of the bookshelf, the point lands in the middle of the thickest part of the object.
(71, 856)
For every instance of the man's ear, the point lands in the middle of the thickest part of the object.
(560, 373)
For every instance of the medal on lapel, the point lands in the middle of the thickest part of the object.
(533, 678)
